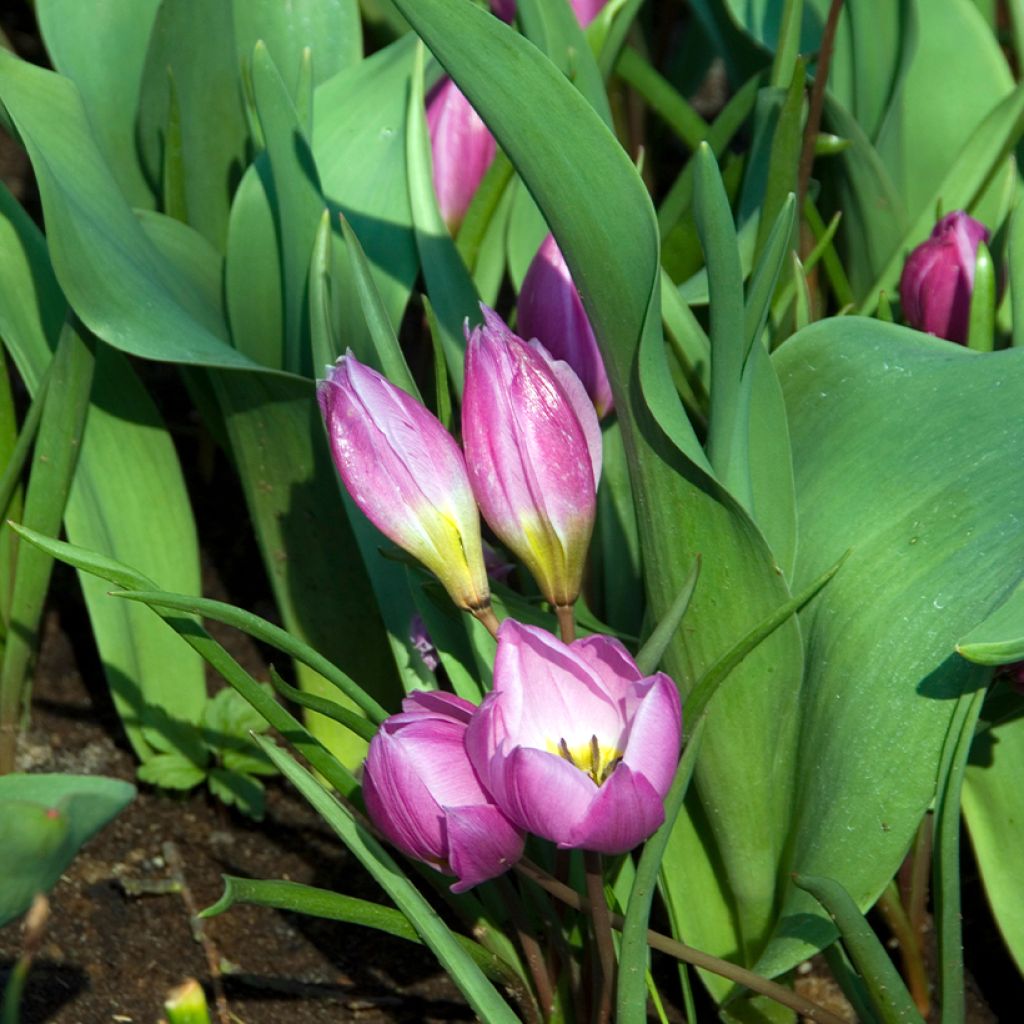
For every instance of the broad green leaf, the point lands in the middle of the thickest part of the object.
(933, 114)
(360, 149)
(462, 969)
(54, 460)
(128, 499)
(116, 280)
(999, 639)
(297, 202)
(928, 513)
(330, 29)
(44, 822)
(237, 789)
(993, 806)
(594, 201)
(171, 771)
(193, 46)
(80, 39)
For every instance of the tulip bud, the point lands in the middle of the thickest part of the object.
(423, 794)
(587, 10)
(574, 743)
(938, 277)
(462, 150)
(504, 9)
(550, 310)
(407, 474)
(533, 451)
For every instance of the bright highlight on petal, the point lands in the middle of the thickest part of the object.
(574, 743)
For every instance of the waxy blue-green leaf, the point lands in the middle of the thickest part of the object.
(44, 821)
(330, 29)
(116, 280)
(192, 45)
(81, 39)
(596, 204)
(993, 807)
(128, 499)
(359, 145)
(930, 517)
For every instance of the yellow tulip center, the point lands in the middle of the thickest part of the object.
(597, 760)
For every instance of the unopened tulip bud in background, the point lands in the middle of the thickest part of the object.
(407, 475)
(550, 310)
(424, 795)
(574, 743)
(585, 10)
(938, 277)
(462, 150)
(533, 453)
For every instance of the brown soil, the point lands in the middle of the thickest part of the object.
(112, 957)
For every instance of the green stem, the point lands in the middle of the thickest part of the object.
(891, 909)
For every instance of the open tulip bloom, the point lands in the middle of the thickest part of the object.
(574, 743)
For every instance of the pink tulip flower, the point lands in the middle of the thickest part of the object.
(574, 743)
(407, 474)
(504, 9)
(586, 10)
(422, 793)
(550, 310)
(533, 451)
(938, 277)
(462, 150)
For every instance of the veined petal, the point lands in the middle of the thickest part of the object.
(625, 811)
(545, 794)
(482, 844)
(655, 733)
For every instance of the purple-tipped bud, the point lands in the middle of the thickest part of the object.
(423, 794)
(550, 310)
(533, 450)
(504, 9)
(407, 474)
(574, 742)
(462, 149)
(938, 277)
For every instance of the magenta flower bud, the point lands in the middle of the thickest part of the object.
(462, 150)
(422, 643)
(407, 474)
(504, 9)
(423, 794)
(550, 310)
(574, 743)
(938, 277)
(533, 451)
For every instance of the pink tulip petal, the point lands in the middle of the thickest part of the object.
(655, 733)
(545, 794)
(482, 844)
(587, 10)
(555, 694)
(439, 703)
(625, 812)
(610, 662)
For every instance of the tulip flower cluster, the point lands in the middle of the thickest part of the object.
(574, 744)
(532, 463)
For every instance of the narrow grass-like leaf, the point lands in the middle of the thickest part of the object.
(482, 209)
(663, 98)
(172, 178)
(390, 360)
(462, 969)
(787, 46)
(451, 289)
(323, 340)
(885, 987)
(833, 265)
(701, 694)
(53, 468)
(197, 638)
(802, 307)
(334, 906)
(26, 437)
(362, 727)
(946, 856)
(615, 32)
(981, 328)
(649, 656)
(690, 342)
(766, 273)
(728, 439)
(262, 630)
(442, 396)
